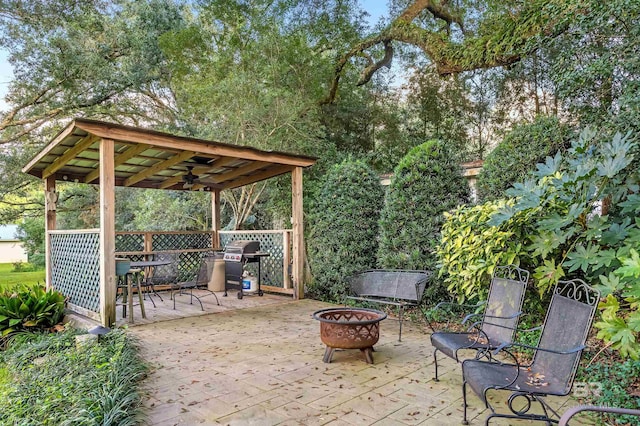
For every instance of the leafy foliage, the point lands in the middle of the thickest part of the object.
(425, 184)
(73, 384)
(576, 217)
(470, 248)
(618, 386)
(101, 59)
(345, 228)
(29, 309)
(620, 321)
(572, 238)
(518, 153)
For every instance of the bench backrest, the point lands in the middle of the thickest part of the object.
(390, 284)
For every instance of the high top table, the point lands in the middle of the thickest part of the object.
(148, 266)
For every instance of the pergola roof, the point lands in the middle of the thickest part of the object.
(150, 159)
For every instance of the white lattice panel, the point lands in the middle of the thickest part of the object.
(75, 268)
(272, 242)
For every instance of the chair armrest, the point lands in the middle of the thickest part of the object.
(528, 330)
(429, 313)
(468, 317)
(577, 409)
(440, 305)
(504, 346)
(516, 315)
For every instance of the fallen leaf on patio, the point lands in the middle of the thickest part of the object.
(414, 413)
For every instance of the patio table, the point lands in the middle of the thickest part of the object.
(148, 266)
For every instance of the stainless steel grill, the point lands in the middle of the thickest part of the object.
(236, 255)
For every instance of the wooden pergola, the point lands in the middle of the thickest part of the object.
(111, 155)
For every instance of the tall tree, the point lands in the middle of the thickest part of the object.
(461, 36)
(97, 58)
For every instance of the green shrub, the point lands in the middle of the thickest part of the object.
(571, 237)
(470, 248)
(55, 381)
(20, 266)
(37, 260)
(426, 183)
(343, 238)
(517, 155)
(29, 309)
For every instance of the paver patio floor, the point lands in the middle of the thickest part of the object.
(262, 365)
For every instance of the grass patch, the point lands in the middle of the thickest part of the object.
(10, 278)
(54, 381)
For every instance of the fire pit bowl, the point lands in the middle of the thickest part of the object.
(349, 328)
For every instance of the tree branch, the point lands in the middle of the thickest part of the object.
(368, 72)
(501, 38)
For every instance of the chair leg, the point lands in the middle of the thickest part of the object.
(435, 363)
(197, 298)
(464, 403)
(153, 290)
(401, 309)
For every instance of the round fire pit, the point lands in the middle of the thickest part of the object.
(349, 328)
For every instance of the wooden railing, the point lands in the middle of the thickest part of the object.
(193, 245)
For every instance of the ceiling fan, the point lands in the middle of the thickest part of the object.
(189, 179)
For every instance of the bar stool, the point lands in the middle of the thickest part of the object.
(126, 283)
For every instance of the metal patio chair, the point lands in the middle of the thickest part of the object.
(555, 360)
(495, 326)
(200, 282)
(162, 274)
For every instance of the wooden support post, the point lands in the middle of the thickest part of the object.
(148, 244)
(107, 234)
(215, 218)
(49, 224)
(298, 233)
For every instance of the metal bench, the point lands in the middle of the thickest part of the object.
(395, 287)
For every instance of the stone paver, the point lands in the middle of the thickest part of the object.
(262, 365)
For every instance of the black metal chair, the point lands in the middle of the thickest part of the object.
(564, 420)
(495, 326)
(162, 274)
(200, 282)
(555, 360)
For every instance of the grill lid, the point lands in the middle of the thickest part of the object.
(243, 246)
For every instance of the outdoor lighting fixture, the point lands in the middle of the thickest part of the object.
(99, 330)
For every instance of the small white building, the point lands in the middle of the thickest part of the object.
(11, 248)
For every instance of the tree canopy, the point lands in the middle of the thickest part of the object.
(265, 73)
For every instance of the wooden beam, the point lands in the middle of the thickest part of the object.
(240, 171)
(298, 233)
(279, 290)
(274, 171)
(150, 171)
(215, 218)
(133, 135)
(119, 160)
(69, 155)
(107, 234)
(49, 225)
(67, 131)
